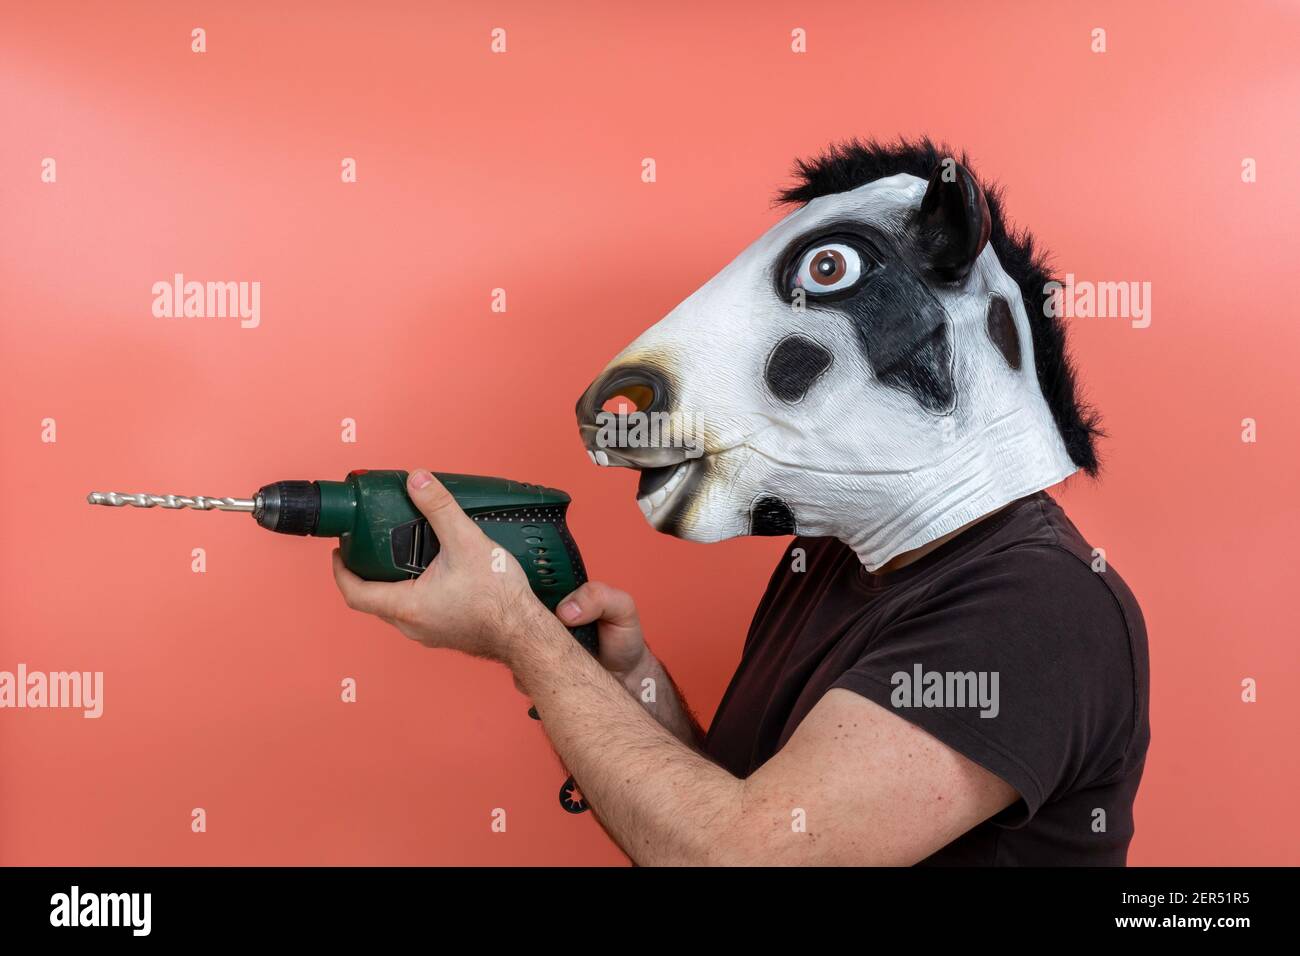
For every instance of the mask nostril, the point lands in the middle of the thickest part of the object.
(632, 388)
(624, 390)
(629, 398)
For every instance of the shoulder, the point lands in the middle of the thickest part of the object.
(1038, 621)
(1043, 600)
(1039, 564)
(1060, 627)
(1026, 572)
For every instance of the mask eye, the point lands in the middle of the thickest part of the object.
(828, 267)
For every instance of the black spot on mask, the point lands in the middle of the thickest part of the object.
(769, 515)
(794, 365)
(926, 372)
(1001, 326)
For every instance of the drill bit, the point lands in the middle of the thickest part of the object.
(115, 499)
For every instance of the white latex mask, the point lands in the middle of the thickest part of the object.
(865, 370)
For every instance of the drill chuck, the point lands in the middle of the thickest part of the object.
(288, 507)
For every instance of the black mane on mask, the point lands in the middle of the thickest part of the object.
(848, 165)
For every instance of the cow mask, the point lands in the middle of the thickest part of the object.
(878, 367)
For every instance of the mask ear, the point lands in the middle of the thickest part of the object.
(954, 221)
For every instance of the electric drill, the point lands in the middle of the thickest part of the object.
(384, 537)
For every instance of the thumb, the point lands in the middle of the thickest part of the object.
(597, 601)
(446, 517)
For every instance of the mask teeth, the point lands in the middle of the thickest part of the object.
(115, 499)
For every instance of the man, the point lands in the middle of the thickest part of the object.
(942, 670)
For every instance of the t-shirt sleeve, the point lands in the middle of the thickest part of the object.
(1024, 668)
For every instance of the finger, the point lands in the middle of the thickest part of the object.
(370, 597)
(446, 517)
(598, 601)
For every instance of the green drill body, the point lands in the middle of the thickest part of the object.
(383, 537)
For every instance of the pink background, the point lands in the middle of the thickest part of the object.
(522, 171)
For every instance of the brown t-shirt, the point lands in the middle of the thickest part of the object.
(1012, 643)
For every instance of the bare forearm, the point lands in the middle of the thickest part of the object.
(663, 802)
(652, 685)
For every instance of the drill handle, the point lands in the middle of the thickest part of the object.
(585, 634)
